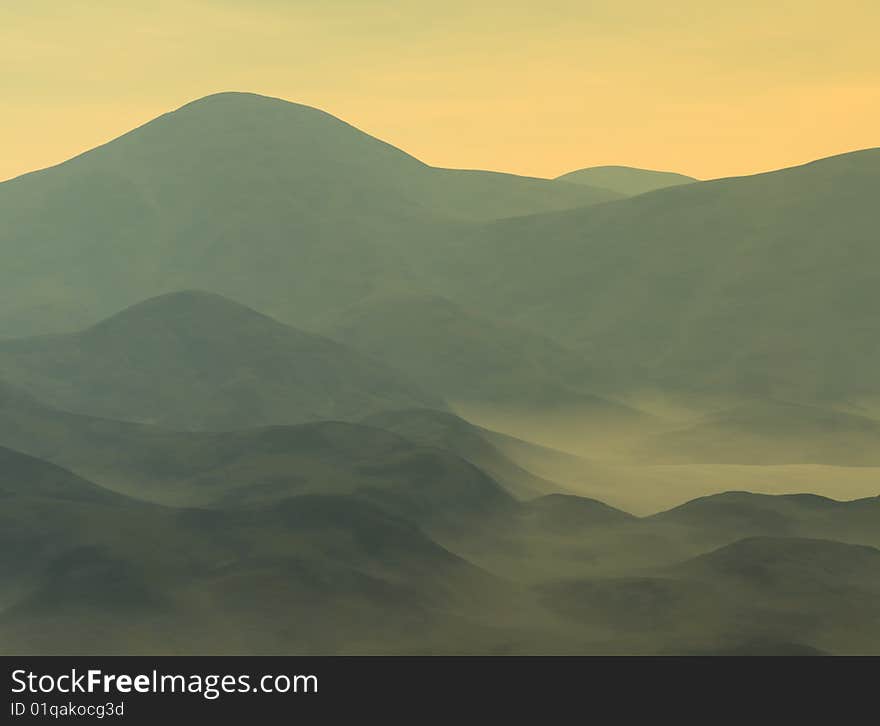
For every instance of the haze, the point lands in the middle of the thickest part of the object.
(537, 89)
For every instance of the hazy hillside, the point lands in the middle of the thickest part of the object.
(759, 596)
(626, 179)
(195, 360)
(279, 205)
(763, 285)
(173, 461)
(79, 561)
(732, 515)
(478, 446)
(153, 579)
(461, 355)
(430, 481)
(770, 432)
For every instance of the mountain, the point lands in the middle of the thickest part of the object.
(790, 566)
(726, 517)
(754, 596)
(276, 204)
(256, 467)
(194, 360)
(461, 355)
(78, 561)
(770, 432)
(484, 449)
(762, 285)
(23, 476)
(626, 179)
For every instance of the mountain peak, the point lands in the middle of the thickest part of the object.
(187, 307)
(243, 100)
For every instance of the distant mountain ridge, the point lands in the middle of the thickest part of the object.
(760, 285)
(626, 179)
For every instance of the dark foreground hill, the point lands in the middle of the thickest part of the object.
(426, 483)
(194, 360)
(485, 449)
(91, 572)
(763, 285)
(348, 570)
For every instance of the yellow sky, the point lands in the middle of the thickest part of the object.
(703, 87)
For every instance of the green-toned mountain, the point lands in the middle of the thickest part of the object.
(463, 356)
(626, 179)
(195, 360)
(260, 466)
(789, 565)
(279, 205)
(29, 477)
(767, 285)
(483, 448)
(309, 574)
(726, 517)
(349, 572)
(757, 596)
(771, 432)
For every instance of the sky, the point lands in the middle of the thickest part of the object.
(703, 87)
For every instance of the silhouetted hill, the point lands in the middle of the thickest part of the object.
(279, 205)
(194, 360)
(626, 179)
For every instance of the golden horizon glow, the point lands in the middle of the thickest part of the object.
(525, 87)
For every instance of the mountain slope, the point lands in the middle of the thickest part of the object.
(463, 356)
(766, 285)
(260, 466)
(276, 204)
(626, 179)
(194, 360)
(771, 432)
(155, 579)
(755, 596)
(452, 433)
(726, 517)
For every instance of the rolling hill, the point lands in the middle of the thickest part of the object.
(461, 355)
(626, 179)
(426, 482)
(753, 596)
(78, 561)
(195, 360)
(485, 449)
(770, 432)
(764, 285)
(722, 518)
